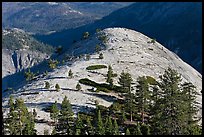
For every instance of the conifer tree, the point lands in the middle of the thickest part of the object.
(47, 85)
(101, 56)
(54, 132)
(54, 112)
(97, 48)
(57, 87)
(127, 132)
(170, 110)
(70, 74)
(109, 126)
(125, 81)
(100, 130)
(66, 117)
(110, 75)
(46, 132)
(78, 86)
(142, 96)
(137, 130)
(115, 128)
(79, 124)
(89, 128)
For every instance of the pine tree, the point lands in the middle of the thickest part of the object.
(110, 75)
(86, 35)
(78, 132)
(101, 56)
(54, 112)
(100, 130)
(47, 85)
(125, 81)
(137, 130)
(54, 132)
(142, 96)
(88, 57)
(145, 129)
(115, 128)
(70, 74)
(97, 48)
(78, 87)
(46, 132)
(189, 98)
(34, 113)
(57, 87)
(170, 110)
(89, 128)
(109, 126)
(29, 75)
(79, 124)
(11, 122)
(66, 117)
(127, 132)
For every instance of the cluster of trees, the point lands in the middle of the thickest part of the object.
(167, 107)
(19, 120)
(29, 75)
(148, 107)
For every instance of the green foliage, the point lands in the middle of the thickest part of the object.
(46, 132)
(54, 112)
(97, 48)
(153, 40)
(145, 129)
(127, 132)
(142, 96)
(54, 132)
(86, 35)
(70, 74)
(88, 57)
(101, 56)
(79, 125)
(47, 85)
(115, 128)
(94, 67)
(102, 87)
(151, 80)
(78, 86)
(59, 50)
(103, 38)
(125, 81)
(52, 63)
(110, 75)
(90, 128)
(98, 30)
(66, 117)
(20, 121)
(137, 130)
(57, 87)
(100, 130)
(29, 75)
(108, 126)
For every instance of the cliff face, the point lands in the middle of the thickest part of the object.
(17, 60)
(124, 49)
(19, 52)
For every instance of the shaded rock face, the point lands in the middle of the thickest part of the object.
(16, 61)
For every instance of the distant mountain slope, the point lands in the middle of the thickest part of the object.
(48, 17)
(177, 25)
